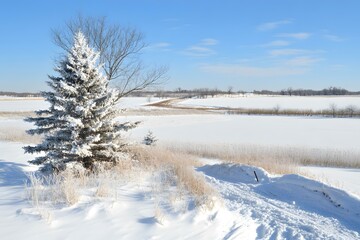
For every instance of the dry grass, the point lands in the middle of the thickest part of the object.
(179, 168)
(17, 114)
(55, 189)
(340, 113)
(173, 177)
(279, 160)
(18, 135)
(11, 99)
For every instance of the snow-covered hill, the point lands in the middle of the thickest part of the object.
(276, 207)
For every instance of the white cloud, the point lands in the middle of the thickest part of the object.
(198, 51)
(333, 38)
(302, 61)
(272, 25)
(288, 52)
(278, 43)
(208, 42)
(300, 35)
(201, 49)
(163, 46)
(251, 71)
(338, 66)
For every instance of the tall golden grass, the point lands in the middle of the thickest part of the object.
(275, 159)
(176, 171)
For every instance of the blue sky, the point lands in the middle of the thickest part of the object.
(268, 44)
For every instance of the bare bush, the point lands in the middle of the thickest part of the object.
(333, 109)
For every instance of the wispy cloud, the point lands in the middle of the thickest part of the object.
(198, 51)
(338, 67)
(202, 49)
(304, 61)
(299, 36)
(209, 42)
(251, 71)
(163, 46)
(333, 38)
(288, 52)
(272, 25)
(278, 43)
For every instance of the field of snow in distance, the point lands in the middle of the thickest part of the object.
(334, 133)
(268, 102)
(13, 104)
(10, 104)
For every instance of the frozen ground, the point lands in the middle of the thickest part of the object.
(31, 104)
(22, 104)
(335, 133)
(270, 102)
(276, 207)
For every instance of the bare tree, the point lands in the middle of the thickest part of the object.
(351, 109)
(120, 48)
(333, 109)
(290, 91)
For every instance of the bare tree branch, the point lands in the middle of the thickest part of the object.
(119, 48)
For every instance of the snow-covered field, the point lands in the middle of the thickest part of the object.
(335, 133)
(270, 102)
(9, 104)
(276, 207)
(21, 104)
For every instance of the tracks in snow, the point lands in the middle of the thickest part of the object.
(276, 218)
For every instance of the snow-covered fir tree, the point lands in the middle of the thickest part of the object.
(79, 125)
(150, 139)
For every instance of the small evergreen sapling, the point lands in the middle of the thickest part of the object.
(79, 125)
(150, 139)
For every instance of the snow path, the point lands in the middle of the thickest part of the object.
(288, 207)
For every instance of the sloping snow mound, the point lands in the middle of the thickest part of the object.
(236, 173)
(288, 206)
(313, 196)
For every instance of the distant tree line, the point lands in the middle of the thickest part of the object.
(21, 94)
(187, 93)
(308, 92)
(208, 92)
(212, 92)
